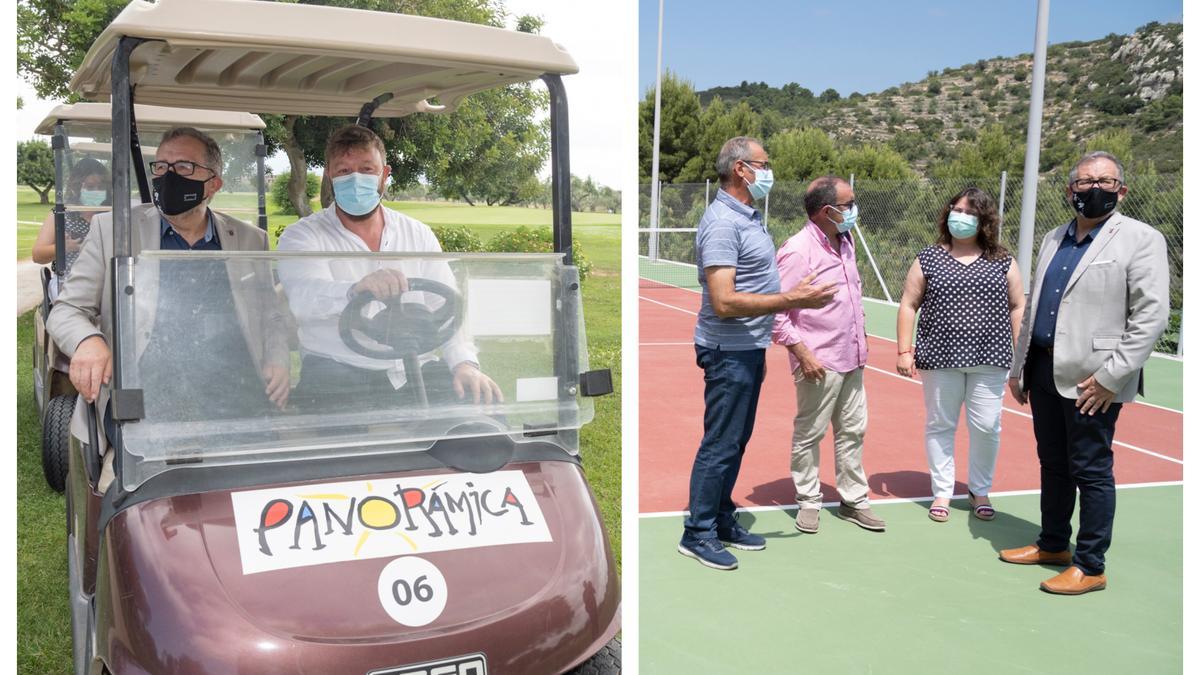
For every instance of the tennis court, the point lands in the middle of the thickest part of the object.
(923, 596)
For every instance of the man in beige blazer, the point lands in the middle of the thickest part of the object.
(186, 172)
(1097, 305)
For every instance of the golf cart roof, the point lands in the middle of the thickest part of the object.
(303, 59)
(154, 115)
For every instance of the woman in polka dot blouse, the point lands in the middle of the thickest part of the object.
(969, 294)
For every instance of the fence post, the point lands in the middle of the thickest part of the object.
(706, 192)
(766, 208)
(1003, 188)
(887, 294)
(655, 219)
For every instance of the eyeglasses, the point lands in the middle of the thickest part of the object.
(848, 205)
(1104, 183)
(762, 162)
(182, 167)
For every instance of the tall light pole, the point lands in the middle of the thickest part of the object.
(654, 196)
(1033, 144)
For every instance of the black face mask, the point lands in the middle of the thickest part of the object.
(175, 194)
(1094, 203)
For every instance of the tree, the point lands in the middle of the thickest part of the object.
(993, 151)
(679, 129)
(801, 154)
(35, 167)
(718, 124)
(54, 35)
(872, 160)
(830, 95)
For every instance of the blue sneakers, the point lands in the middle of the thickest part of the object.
(741, 538)
(708, 552)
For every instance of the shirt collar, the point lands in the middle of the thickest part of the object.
(209, 232)
(1093, 232)
(824, 240)
(733, 203)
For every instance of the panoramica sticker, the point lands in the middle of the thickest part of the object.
(333, 522)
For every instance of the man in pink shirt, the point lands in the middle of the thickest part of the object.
(827, 348)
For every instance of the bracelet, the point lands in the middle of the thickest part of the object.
(907, 351)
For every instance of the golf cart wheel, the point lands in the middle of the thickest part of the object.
(56, 440)
(607, 661)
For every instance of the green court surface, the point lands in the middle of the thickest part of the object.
(922, 597)
(1164, 374)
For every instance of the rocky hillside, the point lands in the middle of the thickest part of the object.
(1132, 82)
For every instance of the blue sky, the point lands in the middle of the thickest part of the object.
(864, 46)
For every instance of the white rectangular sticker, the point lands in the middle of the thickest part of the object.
(508, 306)
(333, 522)
(537, 389)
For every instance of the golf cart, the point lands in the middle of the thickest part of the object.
(83, 130)
(344, 533)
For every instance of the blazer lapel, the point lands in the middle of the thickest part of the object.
(1101, 240)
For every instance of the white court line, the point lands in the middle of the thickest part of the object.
(895, 500)
(28, 222)
(892, 340)
(678, 309)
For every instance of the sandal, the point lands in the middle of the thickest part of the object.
(981, 511)
(939, 513)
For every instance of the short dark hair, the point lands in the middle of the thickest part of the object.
(352, 137)
(212, 151)
(821, 192)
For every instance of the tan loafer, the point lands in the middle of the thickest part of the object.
(1032, 555)
(1072, 581)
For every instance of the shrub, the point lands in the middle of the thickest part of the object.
(536, 240)
(279, 192)
(457, 238)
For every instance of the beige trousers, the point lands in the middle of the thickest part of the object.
(839, 399)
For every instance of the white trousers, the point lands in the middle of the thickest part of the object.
(981, 389)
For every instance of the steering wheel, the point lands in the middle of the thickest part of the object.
(405, 328)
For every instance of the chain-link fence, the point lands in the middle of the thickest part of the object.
(897, 217)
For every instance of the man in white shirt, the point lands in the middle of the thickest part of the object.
(318, 290)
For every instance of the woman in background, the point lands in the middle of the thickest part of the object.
(88, 185)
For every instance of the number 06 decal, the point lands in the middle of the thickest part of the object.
(412, 591)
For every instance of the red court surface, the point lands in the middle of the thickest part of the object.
(1148, 445)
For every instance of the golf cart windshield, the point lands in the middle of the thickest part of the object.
(210, 342)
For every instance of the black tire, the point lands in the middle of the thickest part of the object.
(607, 661)
(56, 440)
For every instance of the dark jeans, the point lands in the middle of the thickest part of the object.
(1075, 451)
(326, 384)
(732, 381)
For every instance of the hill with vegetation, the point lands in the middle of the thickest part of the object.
(1123, 93)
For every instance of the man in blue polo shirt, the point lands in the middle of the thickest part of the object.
(735, 260)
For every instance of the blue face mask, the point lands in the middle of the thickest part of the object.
(356, 193)
(849, 219)
(962, 225)
(92, 197)
(763, 180)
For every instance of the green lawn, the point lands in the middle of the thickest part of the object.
(43, 622)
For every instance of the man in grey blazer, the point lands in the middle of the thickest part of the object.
(187, 173)
(1097, 305)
